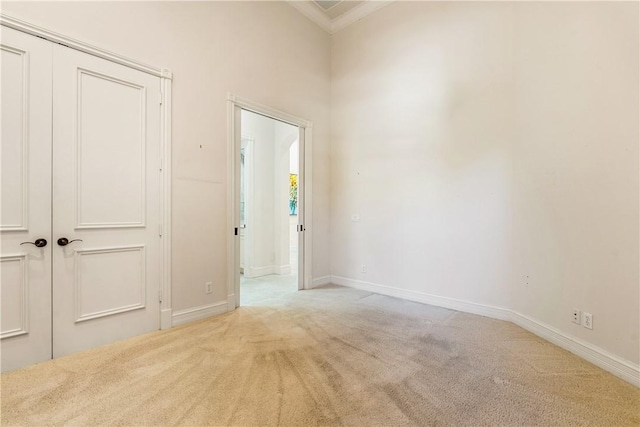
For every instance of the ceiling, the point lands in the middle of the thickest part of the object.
(334, 15)
(333, 9)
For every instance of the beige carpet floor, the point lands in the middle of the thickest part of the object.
(330, 356)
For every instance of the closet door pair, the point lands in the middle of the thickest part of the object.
(80, 202)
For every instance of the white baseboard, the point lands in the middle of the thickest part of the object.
(619, 367)
(320, 281)
(252, 272)
(451, 303)
(282, 269)
(165, 318)
(197, 313)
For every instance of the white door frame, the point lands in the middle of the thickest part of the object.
(234, 105)
(248, 243)
(164, 157)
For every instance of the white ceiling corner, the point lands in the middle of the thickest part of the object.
(357, 13)
(313, 12)
(328, 4)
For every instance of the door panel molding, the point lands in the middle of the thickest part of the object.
(22, 294)
(81, 192)
(23, 163)
(141, 291)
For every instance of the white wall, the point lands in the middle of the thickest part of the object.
(263, 51)
(285, 136)
(421, 141)
(491, 151)
(294, 154)
(575, 163)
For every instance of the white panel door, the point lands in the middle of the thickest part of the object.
(25, 199)
(106, 182)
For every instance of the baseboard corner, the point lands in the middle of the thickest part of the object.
(282, 269)
(320, 281)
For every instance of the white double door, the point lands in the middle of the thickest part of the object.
(80, 161)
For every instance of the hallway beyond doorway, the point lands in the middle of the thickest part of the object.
(262, 290)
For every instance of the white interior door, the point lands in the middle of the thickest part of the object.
(87, 168)
(247, 224)
(301, 208)
(25, 202)
(106, 185)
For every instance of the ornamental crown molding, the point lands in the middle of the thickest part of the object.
(332, 26)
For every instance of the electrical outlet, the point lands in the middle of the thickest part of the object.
(587, 320)
(576, 316)
(363, 268)
(208, 287)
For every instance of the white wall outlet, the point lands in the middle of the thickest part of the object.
(208, 287)
(363, 268)
(576, 316)
(355, 217)
(587, 320)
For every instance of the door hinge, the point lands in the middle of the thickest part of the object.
(161, 98)
(301, 227)
(160, 230)
(160, 295)
(235, 232)
(161, 163)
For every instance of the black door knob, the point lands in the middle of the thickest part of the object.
(39, 243)
(63, 241)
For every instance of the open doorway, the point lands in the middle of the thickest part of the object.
(288, 223)
(268, 235)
